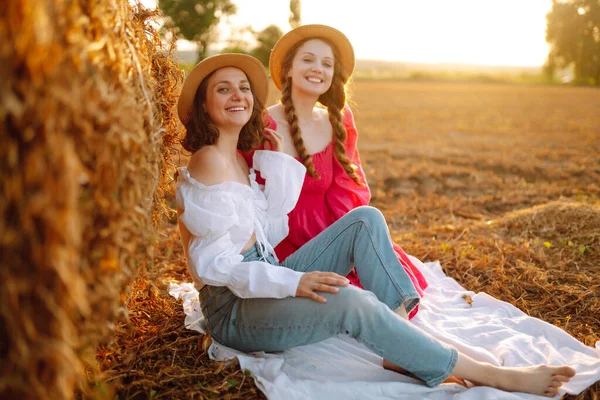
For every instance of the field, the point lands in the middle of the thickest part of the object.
(500, 183)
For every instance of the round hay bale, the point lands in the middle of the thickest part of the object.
(87, 109)
(568, 231)
(555, 219)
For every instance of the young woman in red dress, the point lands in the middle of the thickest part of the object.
(311, 65)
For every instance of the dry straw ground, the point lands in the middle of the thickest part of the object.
(500, 183)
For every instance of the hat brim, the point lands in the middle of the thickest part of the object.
(253, 68)
(315, 31)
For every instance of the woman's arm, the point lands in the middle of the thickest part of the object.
(217, 262)
(213, 257)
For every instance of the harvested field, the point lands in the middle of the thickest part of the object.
(501, 183)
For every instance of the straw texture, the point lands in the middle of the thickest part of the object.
(87, 112)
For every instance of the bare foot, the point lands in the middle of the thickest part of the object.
(543, 380)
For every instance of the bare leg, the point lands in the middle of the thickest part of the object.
(543, 380)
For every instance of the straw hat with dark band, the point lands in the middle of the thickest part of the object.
(253, 69)
(290, 39)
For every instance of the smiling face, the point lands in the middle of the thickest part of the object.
(229, 99)
(312, 67)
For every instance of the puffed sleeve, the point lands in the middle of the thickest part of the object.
(284, 176)
(215, 259)
(345, 194)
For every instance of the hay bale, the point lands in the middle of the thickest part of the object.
(567, 231)
(87, 100)
(557, 218)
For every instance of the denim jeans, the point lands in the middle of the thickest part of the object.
(360, 239)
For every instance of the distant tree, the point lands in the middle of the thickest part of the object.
(196, 20)
(295, 18)
(266, 39)
(573, 31)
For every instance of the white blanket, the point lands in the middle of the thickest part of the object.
(341, 368)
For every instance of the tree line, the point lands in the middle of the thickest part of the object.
(572, 30)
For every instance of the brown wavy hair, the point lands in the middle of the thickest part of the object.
(335, 101)
(200, 131)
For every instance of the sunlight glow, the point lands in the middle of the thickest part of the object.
(484, 32)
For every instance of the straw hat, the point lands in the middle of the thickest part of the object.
(253, 69)
(290, 39)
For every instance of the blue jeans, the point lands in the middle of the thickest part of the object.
(361, 238)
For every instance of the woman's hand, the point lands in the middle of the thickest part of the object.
(317, 281)
(274, 141)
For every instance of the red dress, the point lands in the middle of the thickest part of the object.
(323, 201)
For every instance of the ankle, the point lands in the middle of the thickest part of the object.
(489, 375)
(497, 376)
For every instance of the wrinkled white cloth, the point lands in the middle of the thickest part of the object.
(341, 368)
(222, 217)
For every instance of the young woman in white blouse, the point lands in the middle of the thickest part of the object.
(229, 226)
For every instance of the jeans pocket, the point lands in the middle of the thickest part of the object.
(216, 302)
(216, 292)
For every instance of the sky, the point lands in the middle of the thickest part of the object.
(482, 32)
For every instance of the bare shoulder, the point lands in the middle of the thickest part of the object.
(208, 166)
(276, 110)
(278, 114)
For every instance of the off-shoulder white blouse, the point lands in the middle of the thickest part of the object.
(222, 217)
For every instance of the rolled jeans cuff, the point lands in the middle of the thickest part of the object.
(410, 301)
(446, 374)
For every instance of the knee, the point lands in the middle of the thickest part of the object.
(359, 307)
(369, 215)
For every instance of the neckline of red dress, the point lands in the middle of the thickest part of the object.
(273, 124)
(320, 153)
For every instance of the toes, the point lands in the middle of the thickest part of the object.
(561, 378)
(556, 384)
(550, 392)
(565, 371)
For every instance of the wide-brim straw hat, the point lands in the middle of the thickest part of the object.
(254, 70)
(315, 31)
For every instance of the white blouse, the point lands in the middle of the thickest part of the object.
(222, 217)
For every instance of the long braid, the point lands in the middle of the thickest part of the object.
(335, 100)
(335, 117)
(295, 132)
